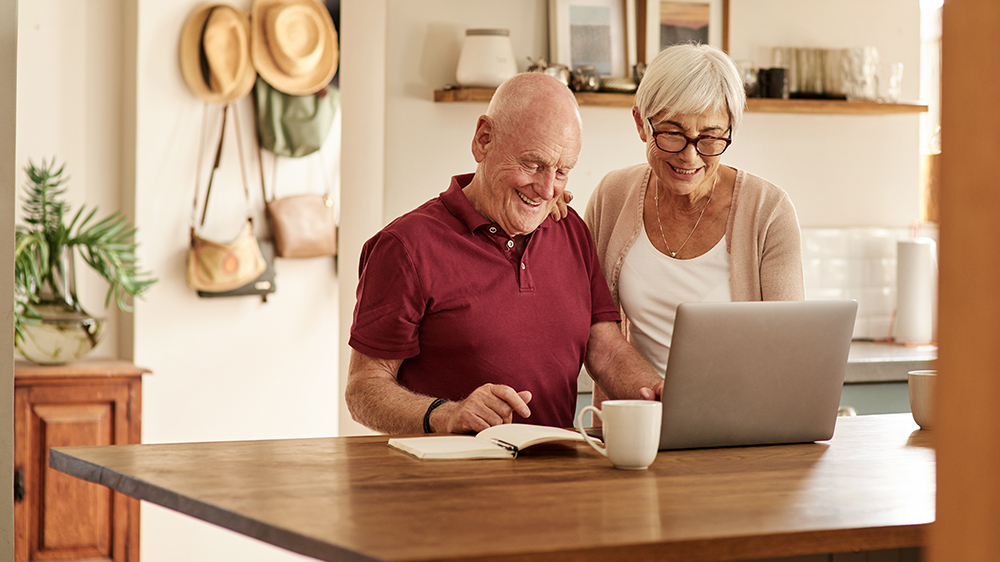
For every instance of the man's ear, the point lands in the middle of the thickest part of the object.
(483, 138)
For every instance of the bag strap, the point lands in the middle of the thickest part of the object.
(197, 174)
(260, 149)
(274, 174)
(215, 166)
(243, 171)
(274, 165)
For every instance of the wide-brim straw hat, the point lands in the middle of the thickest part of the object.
(215, 53)
(293, 45)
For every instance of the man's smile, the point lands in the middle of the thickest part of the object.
(526, 200)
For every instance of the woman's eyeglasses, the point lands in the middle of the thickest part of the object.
(676, 142)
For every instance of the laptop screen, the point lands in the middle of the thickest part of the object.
(755, 373)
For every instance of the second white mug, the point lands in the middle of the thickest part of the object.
(921, 388)
(631, 431)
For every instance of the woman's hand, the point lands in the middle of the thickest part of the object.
(560, 206)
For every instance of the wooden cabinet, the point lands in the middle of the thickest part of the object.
(58, 517)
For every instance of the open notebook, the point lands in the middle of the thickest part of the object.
(497, 442)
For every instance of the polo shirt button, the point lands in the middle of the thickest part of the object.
(510, 243)
(522, 266)
(493, 230)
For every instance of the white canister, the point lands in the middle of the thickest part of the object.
(487, 58)
(916, 291)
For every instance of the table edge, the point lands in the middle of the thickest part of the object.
(247, 526)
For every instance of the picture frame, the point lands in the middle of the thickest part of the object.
(591, 32)
(660, 23)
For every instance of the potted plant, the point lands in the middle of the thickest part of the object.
(50, 325)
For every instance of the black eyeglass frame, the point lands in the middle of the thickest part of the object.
(690, 140)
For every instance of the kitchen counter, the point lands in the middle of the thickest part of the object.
(870, 362)
(875, 382)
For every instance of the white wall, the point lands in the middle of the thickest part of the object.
(224, 369)
(362, 88)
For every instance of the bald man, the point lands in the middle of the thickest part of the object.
(476, 308)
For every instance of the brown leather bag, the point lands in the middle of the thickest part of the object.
(303, 226)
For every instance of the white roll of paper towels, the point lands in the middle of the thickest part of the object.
(916, 291)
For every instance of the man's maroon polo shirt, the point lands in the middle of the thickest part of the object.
(440, 288)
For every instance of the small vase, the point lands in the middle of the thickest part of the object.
(487, 58)
(65, 331)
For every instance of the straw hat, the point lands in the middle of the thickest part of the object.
(215, 53)
(293, 45)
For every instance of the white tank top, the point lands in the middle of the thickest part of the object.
(651, 285)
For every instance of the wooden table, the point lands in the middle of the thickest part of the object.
(352, 498)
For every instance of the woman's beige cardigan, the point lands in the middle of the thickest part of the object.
(762, 234)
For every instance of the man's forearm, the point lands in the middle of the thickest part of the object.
(376, 400)
(386, 407)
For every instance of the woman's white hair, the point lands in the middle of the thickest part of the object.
(691, 78)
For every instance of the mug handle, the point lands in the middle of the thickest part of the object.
(590, 440)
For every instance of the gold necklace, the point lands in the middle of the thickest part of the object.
(656, 198)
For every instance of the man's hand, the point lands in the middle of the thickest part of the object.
(376, 399)
(560, 206)
(488, 405)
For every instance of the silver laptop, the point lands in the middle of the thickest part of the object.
(755, 373)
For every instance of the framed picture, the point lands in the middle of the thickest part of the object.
(590, 32)
(662, 23)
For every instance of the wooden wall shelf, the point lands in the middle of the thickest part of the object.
(754, 105)
(761, 105)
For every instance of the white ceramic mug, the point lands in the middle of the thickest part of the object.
(631, 431)
(921, 387)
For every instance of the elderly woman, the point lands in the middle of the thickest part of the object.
(683, 227)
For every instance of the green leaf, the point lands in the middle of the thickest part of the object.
(105, 246)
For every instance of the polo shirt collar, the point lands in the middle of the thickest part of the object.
(455, 200)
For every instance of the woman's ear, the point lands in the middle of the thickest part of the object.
(483, 138)
(640, 124)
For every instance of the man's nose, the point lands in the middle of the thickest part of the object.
(547, 185)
